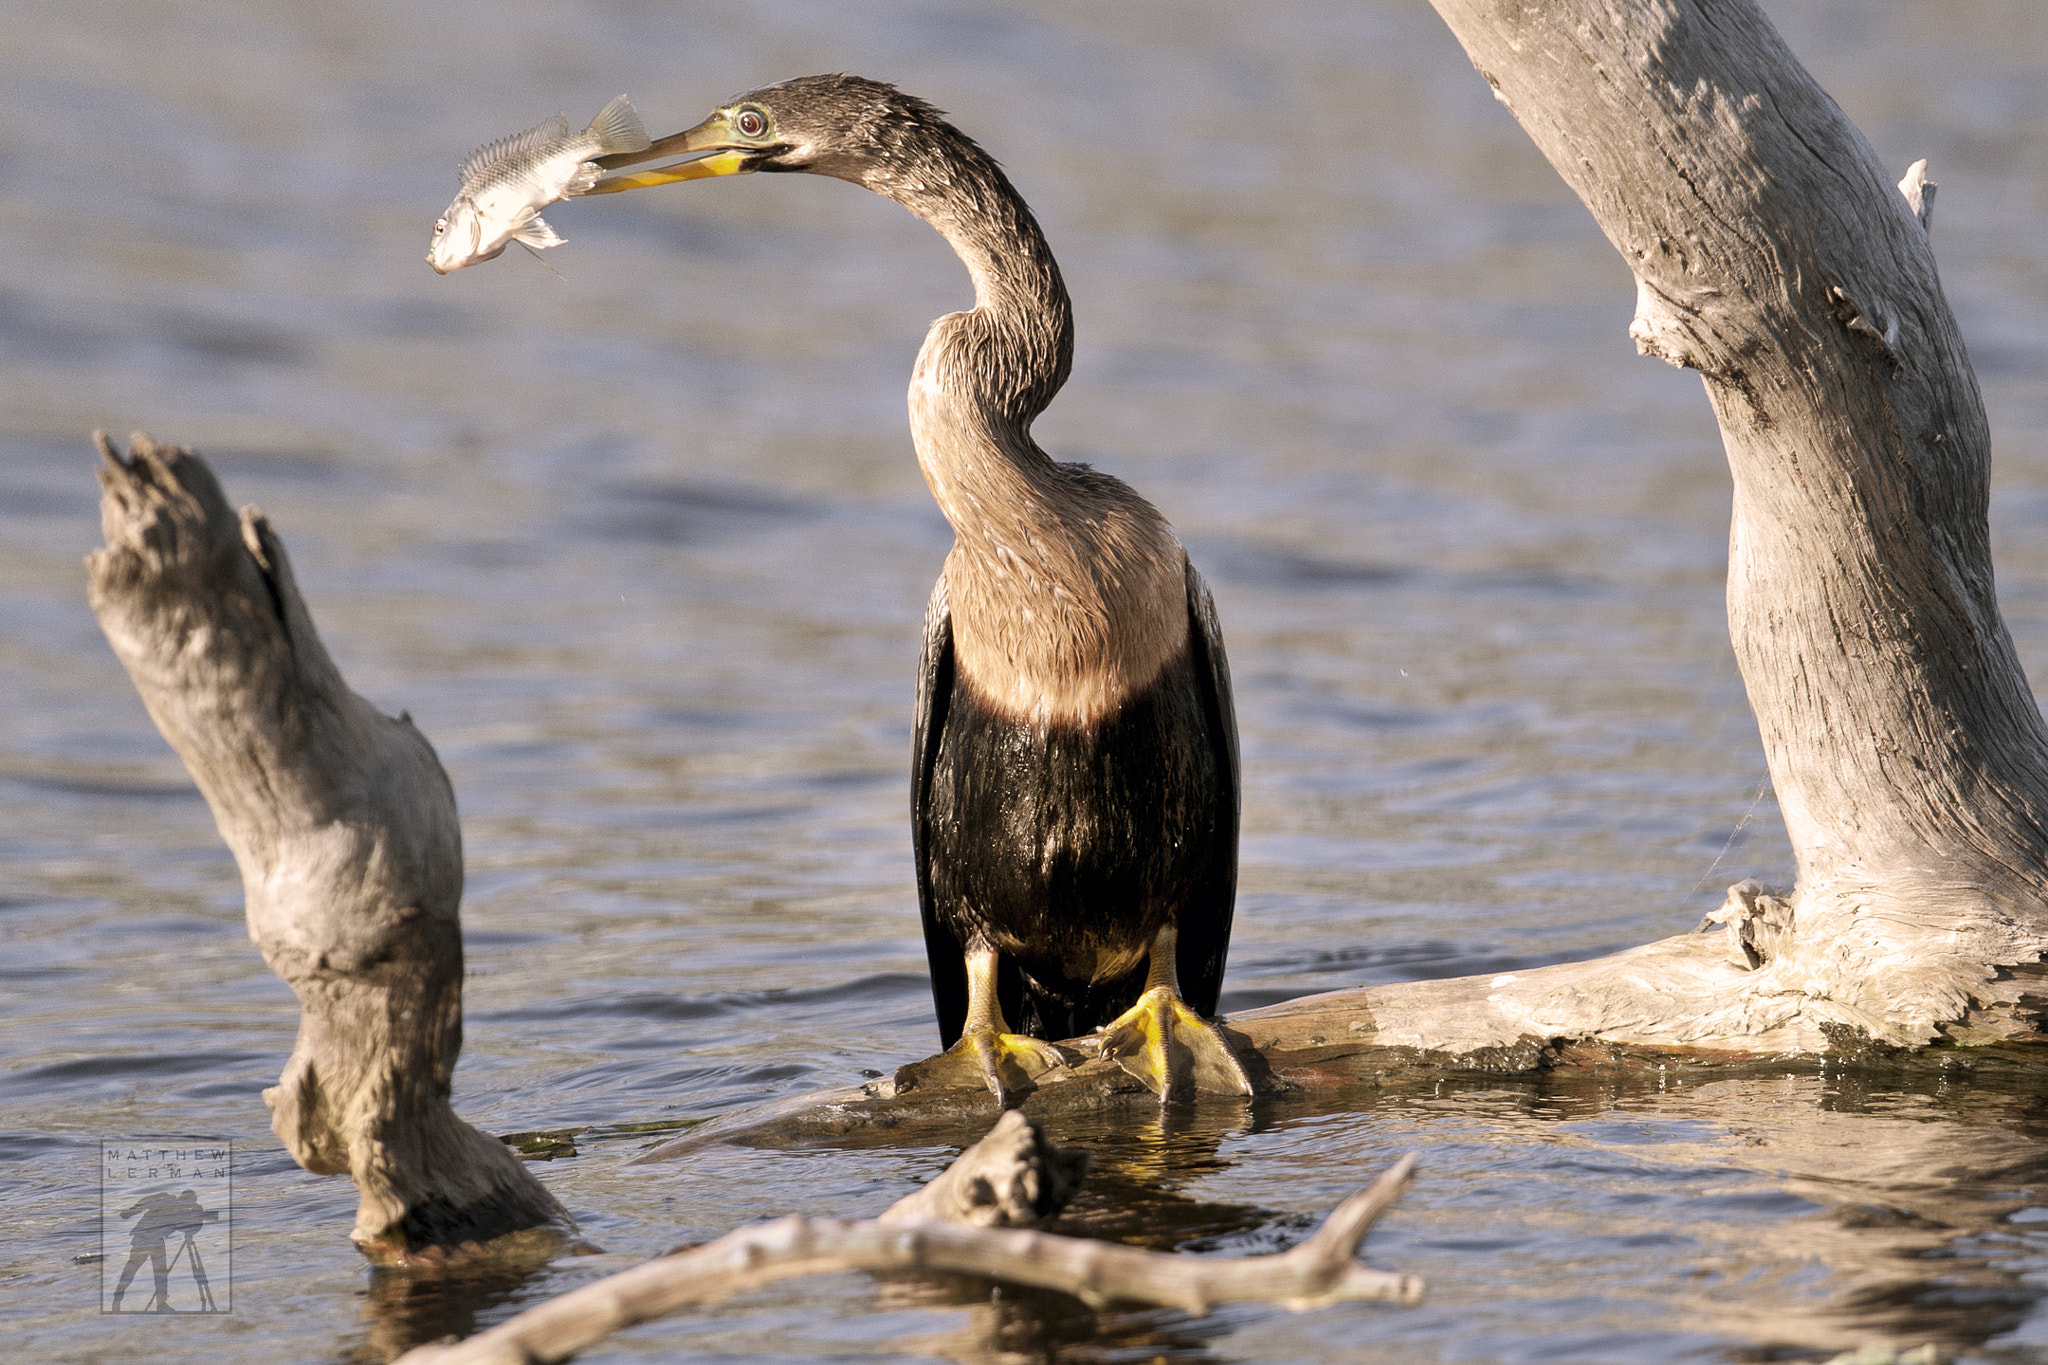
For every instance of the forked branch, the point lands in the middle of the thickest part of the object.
(1013, 1158)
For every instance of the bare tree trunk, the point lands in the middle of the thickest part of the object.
(343, 825)
(1773, 255)
(972, 1220)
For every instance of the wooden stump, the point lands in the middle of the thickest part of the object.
(343, 824)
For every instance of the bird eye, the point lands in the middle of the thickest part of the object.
(440, 226)
(751, 123)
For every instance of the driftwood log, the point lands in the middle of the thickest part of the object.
(343, 824)
(1773, 255)
(973, 1219)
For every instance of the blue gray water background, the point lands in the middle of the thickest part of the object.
(644, 551)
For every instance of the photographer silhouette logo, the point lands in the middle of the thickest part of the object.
(165, 1208)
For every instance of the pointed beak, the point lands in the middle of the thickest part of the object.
(728, 154)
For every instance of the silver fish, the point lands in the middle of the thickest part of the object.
(506, 184)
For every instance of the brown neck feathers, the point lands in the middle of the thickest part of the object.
(1067, 589)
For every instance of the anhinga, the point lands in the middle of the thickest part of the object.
(1075, 778)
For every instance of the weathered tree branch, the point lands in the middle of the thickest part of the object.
(344, 827)
(1013, 1178)
(1016, 1173)
(1679, 997)
(1774, 255)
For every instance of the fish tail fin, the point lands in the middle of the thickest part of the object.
(538, 234)
(619, 129)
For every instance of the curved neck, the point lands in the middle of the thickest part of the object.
(1005, 361)
(1066, 590)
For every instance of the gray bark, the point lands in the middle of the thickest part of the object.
(1774, 255)
(974, 1220)
(343, 825)
(1013, 1178)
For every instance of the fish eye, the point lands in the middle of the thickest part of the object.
(750, 122)
(440, 226)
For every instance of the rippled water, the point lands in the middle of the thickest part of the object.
(644, 551)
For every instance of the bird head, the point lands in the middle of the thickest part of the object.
(842, 126)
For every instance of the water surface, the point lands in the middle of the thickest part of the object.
(644, 551)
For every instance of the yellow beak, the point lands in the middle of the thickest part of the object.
(712, 135)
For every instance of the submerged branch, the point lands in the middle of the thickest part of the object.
(1714, 996)
(937, 1230)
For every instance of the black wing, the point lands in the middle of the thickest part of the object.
(1205, 924)
(934, 695)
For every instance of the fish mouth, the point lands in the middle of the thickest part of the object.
(725, 152)
(464, 262)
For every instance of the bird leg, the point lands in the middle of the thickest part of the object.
(1007, 1063)
(1167, 1045)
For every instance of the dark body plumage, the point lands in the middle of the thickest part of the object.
(1067, 844)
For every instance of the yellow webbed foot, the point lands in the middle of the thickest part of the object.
(1009, 1064)
(1169, 1047)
